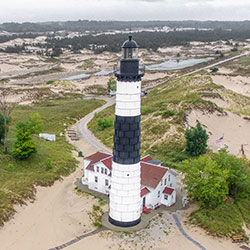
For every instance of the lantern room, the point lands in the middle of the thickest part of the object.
(130, 49)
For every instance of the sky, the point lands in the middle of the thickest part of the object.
(62, 10)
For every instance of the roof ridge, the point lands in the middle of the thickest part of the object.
(154, 165)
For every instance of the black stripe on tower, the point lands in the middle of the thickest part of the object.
(127, 139)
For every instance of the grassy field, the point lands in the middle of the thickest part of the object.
(164, 112)
(53, 160)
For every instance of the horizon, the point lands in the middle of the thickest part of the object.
(116, 20)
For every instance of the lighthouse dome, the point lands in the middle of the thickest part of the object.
(130, 43)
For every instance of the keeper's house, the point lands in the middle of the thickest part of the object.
(158, 184)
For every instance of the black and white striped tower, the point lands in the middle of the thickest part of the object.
(125, 200)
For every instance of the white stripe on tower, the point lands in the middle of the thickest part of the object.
(128, 99)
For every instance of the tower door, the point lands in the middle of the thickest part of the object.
(144, 202)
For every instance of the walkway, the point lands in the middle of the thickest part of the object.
(78, 238)
(179, 225)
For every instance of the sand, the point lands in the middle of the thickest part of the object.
(233, 127)
(238, 84)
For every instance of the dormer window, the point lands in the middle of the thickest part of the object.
(97, 169)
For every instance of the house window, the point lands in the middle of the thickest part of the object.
(106, 171)
(159, 194)
(161, 182)
(96, 179)
(97, 169)
(106, 182)
(165, 181)
(169, 178)
(102, 170)
(165, 196)
(171, 185)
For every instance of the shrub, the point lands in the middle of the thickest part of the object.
(167, 114)
(104, 123)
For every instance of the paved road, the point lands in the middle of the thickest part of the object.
(83, 130)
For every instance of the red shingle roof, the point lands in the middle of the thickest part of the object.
(168, 190)
(151, 175)
(90, 167)
(146, 158)
(108, 162)
(97, 157)
(144, 191)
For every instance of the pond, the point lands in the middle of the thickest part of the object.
(178, 64)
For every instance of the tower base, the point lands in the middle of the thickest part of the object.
(124, 224)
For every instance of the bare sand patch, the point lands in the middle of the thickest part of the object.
(233, 127)
(238, 84)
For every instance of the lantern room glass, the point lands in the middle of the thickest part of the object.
(130, 53)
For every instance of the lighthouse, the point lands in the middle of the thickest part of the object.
(125, 200)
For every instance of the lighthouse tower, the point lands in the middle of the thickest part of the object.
(125, 200)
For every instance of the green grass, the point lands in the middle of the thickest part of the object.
(53, 160)
(225, 220)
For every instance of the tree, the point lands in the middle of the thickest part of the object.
(111, 84)
(238, 173)
(2, 126)
(24, 146)
(6, 108)
(205, 181)
(196, 140)
(33, 125)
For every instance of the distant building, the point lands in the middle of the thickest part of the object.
(158, 183)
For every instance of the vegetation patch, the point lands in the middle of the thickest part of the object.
(52, 160)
